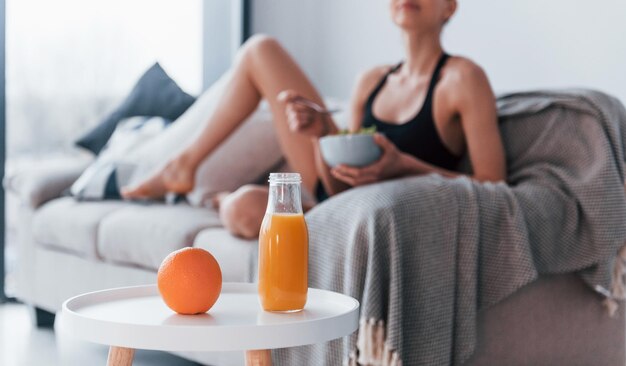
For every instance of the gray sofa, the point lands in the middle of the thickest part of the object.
(69, 247)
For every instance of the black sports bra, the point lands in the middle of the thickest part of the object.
(418, 136)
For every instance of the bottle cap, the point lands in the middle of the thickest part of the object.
(285, 178)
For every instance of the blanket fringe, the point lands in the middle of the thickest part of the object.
(372, 348)
(618, 283)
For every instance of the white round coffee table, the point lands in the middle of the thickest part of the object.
(132, 318)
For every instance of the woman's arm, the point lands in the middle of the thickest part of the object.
(475, 104)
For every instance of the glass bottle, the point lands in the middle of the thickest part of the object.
(283, 247)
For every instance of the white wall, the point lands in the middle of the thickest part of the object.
(221, 36)
(522, 44)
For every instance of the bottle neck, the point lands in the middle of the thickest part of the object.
(284, 198)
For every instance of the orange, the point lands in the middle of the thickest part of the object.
(190, 281)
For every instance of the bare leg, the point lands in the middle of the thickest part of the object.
(242, 211)
(216, 201)
(262, 70)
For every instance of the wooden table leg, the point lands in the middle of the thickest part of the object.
(259, 358)
(120, 356)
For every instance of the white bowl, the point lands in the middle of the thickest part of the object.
(356, 150)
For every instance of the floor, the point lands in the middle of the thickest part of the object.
(23, 345)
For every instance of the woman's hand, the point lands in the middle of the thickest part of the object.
(390, 165)
(304, 115)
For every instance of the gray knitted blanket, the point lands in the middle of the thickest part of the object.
(423, 255)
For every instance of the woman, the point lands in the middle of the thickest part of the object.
(432, 109)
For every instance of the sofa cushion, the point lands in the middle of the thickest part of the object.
(72, 226)
(237, 257)
(143, 235)
(39, 181)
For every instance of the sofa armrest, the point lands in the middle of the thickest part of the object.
(44, 180)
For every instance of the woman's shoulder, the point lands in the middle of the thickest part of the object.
(368, 79)
(463, 70)
(373, 75)
(464, 83)
(377, 71)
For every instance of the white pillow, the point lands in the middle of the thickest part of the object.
(110, 163)
(247, 156)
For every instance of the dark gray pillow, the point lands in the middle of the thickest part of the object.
(154, 95)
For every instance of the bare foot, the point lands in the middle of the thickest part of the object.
(177, 177)
(152, 188)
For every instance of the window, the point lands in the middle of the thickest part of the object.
(68, 62)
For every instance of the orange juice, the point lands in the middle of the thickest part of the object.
(283, 262)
